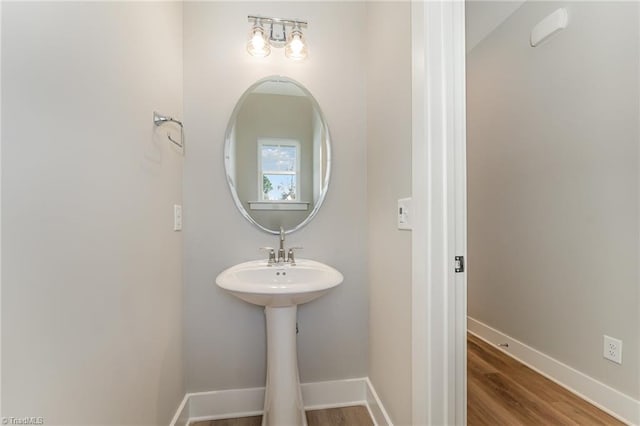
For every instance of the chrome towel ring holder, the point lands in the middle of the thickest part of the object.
(159, 120)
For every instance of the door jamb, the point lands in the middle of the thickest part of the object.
(439, 200)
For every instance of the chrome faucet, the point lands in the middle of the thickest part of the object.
(282, 256)
(281, 253)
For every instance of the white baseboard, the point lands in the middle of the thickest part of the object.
(181, 418)
(610, 400)
(375, 407)
(201, 406)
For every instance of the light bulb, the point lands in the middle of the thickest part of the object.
(257, 40)
(296, 47)
(258, 45)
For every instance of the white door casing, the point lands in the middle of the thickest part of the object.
(439, 197)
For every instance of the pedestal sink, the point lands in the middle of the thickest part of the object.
(280, 288)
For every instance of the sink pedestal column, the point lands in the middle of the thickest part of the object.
(283, 397)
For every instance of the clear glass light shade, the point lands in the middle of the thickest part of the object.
(296, 47)
(258, 45)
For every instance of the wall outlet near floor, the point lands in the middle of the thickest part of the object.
(612, 349)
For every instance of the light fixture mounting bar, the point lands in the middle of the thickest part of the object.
(270, 20)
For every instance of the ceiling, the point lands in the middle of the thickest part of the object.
(485, 16)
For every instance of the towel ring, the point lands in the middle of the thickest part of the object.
(159, 120)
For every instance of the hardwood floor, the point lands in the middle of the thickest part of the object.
(345, 416)
(240, 421)
(502, 391)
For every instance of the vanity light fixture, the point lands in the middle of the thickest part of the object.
(267, 32)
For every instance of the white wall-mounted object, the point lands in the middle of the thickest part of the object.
(550, 25)
(160, 119)
(295, 284)
(268, 32)
(177, 217)
(405, 213)
(612, 349)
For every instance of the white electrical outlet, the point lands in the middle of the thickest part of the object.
(612, 349)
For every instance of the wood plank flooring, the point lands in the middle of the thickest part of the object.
(347, 416)
(502, 391)
(344, 416)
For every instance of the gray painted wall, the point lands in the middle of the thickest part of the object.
(225, 337)
(91, 277)
(389, 178)
(553, 185)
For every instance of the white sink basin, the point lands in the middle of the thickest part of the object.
(280, 289)
(279, 285)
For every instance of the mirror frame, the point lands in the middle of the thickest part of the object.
(227, 150)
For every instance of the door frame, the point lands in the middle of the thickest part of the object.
(439, 300)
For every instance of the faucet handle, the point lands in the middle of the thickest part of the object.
(272, 254)
(290, 256)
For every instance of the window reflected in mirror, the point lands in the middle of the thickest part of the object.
(279, 167)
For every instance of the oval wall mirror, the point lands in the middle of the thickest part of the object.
(277, 155)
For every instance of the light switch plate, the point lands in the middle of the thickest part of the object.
(177, 217)
(404, 213)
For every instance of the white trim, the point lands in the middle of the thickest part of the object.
(438, 171)
(181, 418)
(213, 405)
(375, 407)
(459, 130)
(226, 404)
(278, 205)
(612, 401)
(0, 215)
